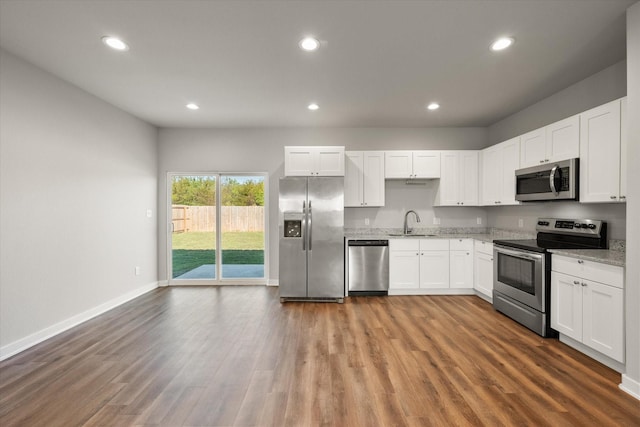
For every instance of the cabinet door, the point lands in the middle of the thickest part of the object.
(404, 269)
(600, 153)
(449, 179)
(329, 161)
(373, 179)
(491, 176)
(624, 144)
(483, 277)
(398, 164)
(510, 162)
(426, 164)
(533, 147)
(468, 178)
(434, 269)
(563, 139)
(603, 319)
(353, 178)
(299, 161)
(566, 305)
(461, 269)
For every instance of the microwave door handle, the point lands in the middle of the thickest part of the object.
(552, 180)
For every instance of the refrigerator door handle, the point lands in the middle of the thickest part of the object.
(310, 226)
(304, 225)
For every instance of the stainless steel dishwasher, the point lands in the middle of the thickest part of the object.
(368, 267)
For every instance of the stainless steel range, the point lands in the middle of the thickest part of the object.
(522, 268)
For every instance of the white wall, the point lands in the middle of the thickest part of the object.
(631, 379)
(76, 178)
(261, 150)
(598, 89)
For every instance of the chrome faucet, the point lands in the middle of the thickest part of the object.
(407, 229)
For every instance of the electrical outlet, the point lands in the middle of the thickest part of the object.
(520, 223)
(479, 220)
(137, 270)
(436, 221)
(149, 213)
(366, 221)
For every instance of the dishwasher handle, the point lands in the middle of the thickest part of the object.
(368, 243)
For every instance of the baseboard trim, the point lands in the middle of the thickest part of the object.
(36, 338)
(630, 386)
(272, 282)
(163, 283)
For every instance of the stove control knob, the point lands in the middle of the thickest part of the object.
(543, 222)
(576, 225)
(591, 226)
(584, 226)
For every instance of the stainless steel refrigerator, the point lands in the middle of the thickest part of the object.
(311, 238)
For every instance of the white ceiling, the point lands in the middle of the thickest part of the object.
(380, 62)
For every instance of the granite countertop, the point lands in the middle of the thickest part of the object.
(613, 256)
(605, 256)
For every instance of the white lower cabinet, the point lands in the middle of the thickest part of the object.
(461, 264)
(483, 268)
(587, 304)
(430, 266)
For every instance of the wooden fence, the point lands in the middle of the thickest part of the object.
(203, 218)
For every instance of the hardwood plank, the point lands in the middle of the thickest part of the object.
(236, 356)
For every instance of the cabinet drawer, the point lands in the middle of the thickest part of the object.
(483, 247)
(604, 273)
(404, 244)
(434, 244)
(461, 244)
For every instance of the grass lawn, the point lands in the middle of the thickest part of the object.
(191, 250)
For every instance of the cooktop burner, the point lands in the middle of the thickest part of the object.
(556, 233)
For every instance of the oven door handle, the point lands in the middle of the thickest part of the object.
(519, 254)
(552, 180)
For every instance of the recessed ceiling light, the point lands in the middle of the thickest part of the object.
(433, 106)
(115, 43)
(309, 44)
(192, 106)
(313, 106)
(502, 43)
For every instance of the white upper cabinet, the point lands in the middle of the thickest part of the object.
(499, 163)
(624, 145)
(458, 179)
(558, 141)
(314, 161)
(600, 154)
(563, 139)
(412, 164)
(533, 148)
(364, 179)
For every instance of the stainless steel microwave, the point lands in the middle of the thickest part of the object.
(550, 181)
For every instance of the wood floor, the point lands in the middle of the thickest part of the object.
(228, 356)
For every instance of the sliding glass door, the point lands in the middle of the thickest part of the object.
(217, 211)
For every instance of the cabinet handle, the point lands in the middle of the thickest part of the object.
(580, 261)
(583, 284)
(491, 259)
(623, 197)
(541, 161)
(613, 197)
(546, 160)
(462, 203)
(575, 282)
